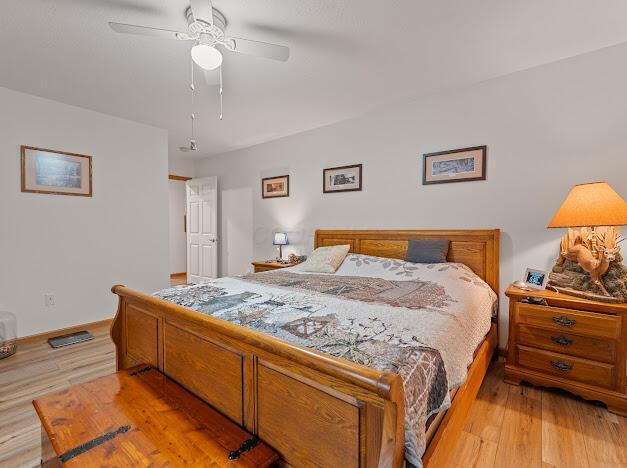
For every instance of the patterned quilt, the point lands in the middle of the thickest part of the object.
(420, 321)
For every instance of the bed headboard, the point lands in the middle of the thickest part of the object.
(478, 249)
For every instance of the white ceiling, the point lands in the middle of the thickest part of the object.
(347, 57)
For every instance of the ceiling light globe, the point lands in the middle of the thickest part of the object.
(206, 57)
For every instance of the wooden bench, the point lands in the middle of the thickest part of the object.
(139, 417)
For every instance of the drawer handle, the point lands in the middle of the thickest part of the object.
(561, 340)
(562, 366)
(564, 321)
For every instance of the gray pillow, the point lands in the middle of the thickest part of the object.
(427, 251)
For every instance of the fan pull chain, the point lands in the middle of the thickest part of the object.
(220, 92)
(192, 143)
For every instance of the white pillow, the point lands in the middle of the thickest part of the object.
(326, 259)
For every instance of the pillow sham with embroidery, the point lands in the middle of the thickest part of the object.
(326, 259)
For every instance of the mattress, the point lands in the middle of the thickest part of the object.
(421, 321)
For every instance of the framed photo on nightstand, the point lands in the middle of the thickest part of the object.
(536, 279)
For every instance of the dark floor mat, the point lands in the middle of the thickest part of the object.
(70, 339)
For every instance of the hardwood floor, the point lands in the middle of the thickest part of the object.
(35, 370)
(178, 278)
(523, 426)
(508, 426)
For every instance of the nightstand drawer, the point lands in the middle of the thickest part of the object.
(579, 323)
(563, 342)
(568, 367)
(259, 269)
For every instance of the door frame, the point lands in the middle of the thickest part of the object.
(180, 277)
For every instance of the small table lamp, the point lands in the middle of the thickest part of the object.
(591, 212)
(280, 239)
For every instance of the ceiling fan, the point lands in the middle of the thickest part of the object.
(206, 27)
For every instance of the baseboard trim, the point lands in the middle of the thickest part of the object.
(62, 331)
(174, 275)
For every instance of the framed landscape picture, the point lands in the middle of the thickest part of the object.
(55, 172)
(461, 165)
(341, 179)
(275, 187)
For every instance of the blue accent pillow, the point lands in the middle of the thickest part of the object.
(427, 251)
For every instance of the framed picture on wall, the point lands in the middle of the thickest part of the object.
(342, 179)
(55, 172)
(275, 187)
(460, 165)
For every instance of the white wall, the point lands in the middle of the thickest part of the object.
(546, 129)
(78, 247)
(178, 238)
(181, 166)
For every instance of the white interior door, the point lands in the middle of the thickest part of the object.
(202, 235)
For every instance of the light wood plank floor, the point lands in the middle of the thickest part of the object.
(523, 426)
(176, 279)
(35, 370)
(508, 426)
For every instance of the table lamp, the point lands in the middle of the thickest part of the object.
(280, 239)
(592, 213)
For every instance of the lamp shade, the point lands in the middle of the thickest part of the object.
(593, 204)
(280, 238)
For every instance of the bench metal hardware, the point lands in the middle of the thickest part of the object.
(140, 371)
(562, 366)
(247, 445)
(76, 451)
(561, 340)
(564, 321)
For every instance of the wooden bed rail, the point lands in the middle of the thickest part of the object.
(314, 409)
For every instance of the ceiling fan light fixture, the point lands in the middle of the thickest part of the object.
(206, 56)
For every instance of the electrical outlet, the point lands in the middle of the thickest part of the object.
(49, 300)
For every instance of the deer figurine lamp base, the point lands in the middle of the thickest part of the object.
(593, 250)
(589, 263)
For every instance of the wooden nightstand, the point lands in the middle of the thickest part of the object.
(570, 343)
(267, 266)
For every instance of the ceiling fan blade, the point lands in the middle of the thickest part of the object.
(261, 49)
(146, 31)
(202, 10)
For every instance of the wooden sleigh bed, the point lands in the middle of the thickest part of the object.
(313, 408)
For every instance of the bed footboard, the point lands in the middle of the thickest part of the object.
(314, 409)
